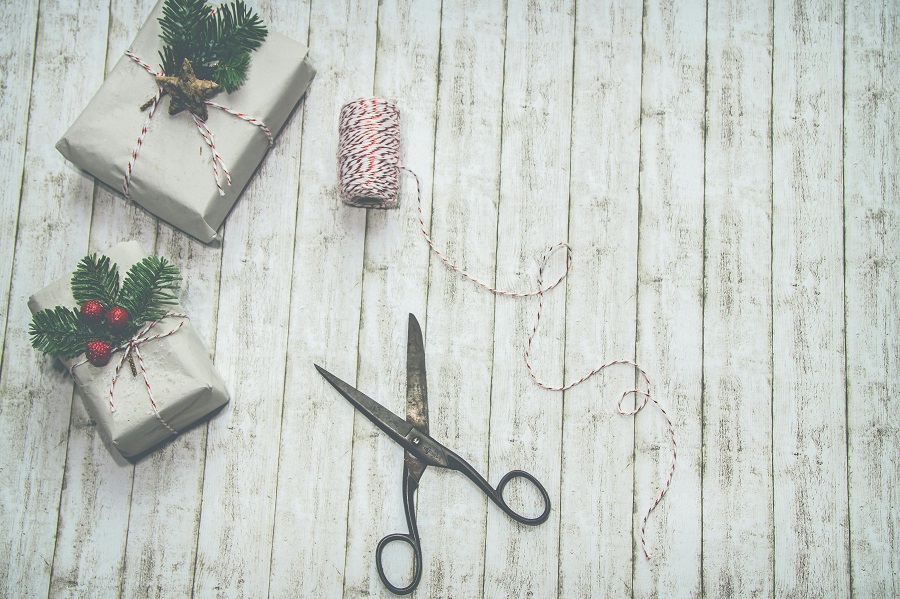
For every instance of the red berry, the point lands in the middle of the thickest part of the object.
(117, 319)
(92, 311)
(98, 353)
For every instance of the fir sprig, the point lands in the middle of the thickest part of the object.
(95, 279)
(63, 333)
(145, 294)
(217, 42)
(147, 289)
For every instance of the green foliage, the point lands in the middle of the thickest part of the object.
(95, 279)
(147, 289)
(63, 333)
(218, 44)
(145, 293)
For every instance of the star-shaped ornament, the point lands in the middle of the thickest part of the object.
(187, 92)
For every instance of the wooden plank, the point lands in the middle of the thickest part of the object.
(670, 295)
(317, 431)
(596, 537)
(872, 234)
(17, 39)
(526, 421)
(738, 527)
(98, 482)
(235, 537)
(52, 236)
(463, 222)
(394, 285)
(809, 418)
(167, 491)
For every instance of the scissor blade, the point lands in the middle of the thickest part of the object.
(416, 392)
(386, 420)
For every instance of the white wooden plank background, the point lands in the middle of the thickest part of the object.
(726, 173)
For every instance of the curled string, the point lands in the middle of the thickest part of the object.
(202, 129)
(641, 398)
(133, 347)
(369, 167)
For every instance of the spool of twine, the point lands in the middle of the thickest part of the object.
(369, 153)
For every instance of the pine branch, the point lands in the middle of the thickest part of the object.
(232, 73)
(218, 44)
(180, 22)
(147, 289)
(95, 279)
(234, 28)
(63, 333)
(233, 34)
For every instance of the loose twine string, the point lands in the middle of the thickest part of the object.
(133, 347)
(202, 128)
(369, 176)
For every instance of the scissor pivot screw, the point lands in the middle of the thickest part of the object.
(416, 440)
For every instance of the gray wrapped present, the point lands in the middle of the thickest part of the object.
(176, 164)
(174, 383)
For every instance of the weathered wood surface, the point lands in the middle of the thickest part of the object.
(726, 173)
(670, 294)
(737, 315)
(809, 399)
(872, 263)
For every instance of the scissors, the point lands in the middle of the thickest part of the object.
(423, 451)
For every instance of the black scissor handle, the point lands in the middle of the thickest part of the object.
(511, 512)
(496, 495)
(411, 539)
(417, 562)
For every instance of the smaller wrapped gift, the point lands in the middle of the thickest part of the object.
(143, 373)
(183, 120)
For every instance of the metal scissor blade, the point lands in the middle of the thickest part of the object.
(386, 420)
(416, 392)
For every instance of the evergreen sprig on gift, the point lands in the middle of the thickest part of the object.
(217, 42)
(108, 313)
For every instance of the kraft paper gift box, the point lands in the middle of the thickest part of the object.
(184, 382)
(173, 175)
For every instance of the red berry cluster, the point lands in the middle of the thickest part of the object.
(98, 352)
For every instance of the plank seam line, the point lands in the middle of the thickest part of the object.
(284, 389)
(703, 286)
(359, 323)
(499, 197)
(849, 537)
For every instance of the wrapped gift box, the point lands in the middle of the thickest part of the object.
(185, 384)
(173, 176)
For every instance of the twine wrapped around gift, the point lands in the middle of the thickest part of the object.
(133, 347)
(202, 128)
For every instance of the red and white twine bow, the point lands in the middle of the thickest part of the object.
(369, 169)
(133, 348)
(202, 128)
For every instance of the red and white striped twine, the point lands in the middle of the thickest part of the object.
(369, 170)
(369, 153)
(133, 346)
(204, 131)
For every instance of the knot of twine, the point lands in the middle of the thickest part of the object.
(132, 347)
(202, 128)
(369, 169)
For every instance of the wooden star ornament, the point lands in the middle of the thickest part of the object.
(187, 92)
